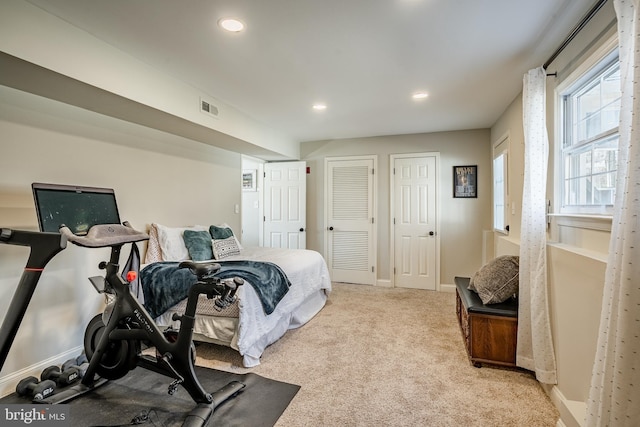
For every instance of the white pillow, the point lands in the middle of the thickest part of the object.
(172, 242)
(223, 248)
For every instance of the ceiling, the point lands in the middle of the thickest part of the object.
(362, 58)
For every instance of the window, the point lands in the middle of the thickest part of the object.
(590, 117)
(500, 172)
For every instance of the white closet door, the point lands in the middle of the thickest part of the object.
(351, 246)
(415, 222)
(285, 189)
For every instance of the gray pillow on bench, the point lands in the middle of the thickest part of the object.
(497, 280)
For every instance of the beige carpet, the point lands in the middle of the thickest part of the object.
(390, 357)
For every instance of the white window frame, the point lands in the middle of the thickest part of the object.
(501, 150)
(585, 71)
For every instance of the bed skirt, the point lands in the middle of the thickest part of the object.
(222, 330)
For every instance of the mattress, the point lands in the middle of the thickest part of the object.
(244, 325)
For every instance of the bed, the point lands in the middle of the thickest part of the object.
(244, 325)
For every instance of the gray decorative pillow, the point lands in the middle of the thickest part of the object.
(220, 232)
(198, 244)
(497, 280)
(225, 248)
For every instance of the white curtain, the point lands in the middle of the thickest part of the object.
(535, 346)
(614, 398)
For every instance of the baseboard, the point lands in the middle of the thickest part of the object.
(446, 287)
(9, 382)
(383, 283)
(572, 412)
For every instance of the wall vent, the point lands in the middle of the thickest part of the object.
(208, 108)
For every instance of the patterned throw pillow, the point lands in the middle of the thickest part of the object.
(154, 253)
(498, 280)
(198, 244)
(223, 248)
(222, 231)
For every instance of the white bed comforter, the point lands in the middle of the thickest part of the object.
(309, 276)
(307, 272)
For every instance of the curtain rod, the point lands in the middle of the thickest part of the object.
(575, 31)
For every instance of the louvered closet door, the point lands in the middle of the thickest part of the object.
(350, 234)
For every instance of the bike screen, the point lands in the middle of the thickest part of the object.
(79, 208)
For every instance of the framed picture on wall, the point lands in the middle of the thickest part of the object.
(249, 180)
(465, 181)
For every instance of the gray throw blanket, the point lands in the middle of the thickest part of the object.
(164, 284)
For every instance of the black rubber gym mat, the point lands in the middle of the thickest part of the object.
(118, 402)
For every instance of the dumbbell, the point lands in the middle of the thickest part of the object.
(61, 377)
(36, 389)
(81, 364)
(228, 295)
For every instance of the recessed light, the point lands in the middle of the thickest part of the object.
(319, 107)
(420, 95)
(231, 24)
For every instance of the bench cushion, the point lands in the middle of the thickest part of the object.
(473, 303)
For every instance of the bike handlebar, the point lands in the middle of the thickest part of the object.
(44, 246)
(105, 235)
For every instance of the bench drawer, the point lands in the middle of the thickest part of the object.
(493, 339)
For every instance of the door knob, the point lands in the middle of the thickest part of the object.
(301, 229)
(431, 233)
(330, 228)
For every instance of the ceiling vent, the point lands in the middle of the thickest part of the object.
(208, 108)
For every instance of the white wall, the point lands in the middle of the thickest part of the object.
(462, 220)
(253, 205)
(31, 34)
(156, 178)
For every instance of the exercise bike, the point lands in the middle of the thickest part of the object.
(114, 345)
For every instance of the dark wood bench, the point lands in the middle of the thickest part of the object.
(490, 332)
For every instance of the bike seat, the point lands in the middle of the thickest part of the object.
(201, 269)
